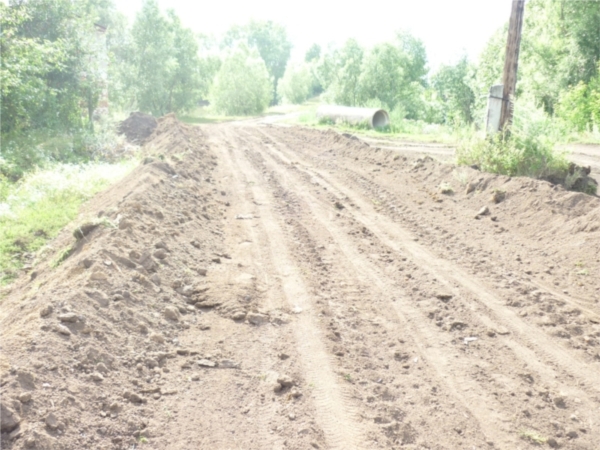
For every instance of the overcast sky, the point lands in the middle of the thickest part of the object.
(449, 28)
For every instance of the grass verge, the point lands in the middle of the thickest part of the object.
(36, 208)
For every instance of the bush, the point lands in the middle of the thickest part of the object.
(242, 85)
(296, 85)
(527, 151)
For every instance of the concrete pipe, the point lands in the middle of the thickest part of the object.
(373, 117)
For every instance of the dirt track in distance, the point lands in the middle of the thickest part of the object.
(324, 294)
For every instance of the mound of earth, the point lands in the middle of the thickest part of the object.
(137, 127)
(84, 358)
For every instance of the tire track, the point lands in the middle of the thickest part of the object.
(334, 413)
(395, 237)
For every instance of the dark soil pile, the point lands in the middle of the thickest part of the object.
(137, 127)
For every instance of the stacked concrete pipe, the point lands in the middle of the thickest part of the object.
(372, 117)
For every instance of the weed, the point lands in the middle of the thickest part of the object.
(62, 256)
(461, 175)
(532, 436)
(143, 440)
(348, 378)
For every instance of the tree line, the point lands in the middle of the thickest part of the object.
(51, 78)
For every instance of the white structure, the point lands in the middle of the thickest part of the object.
(494, 110)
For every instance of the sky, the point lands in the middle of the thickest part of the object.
(449, 28)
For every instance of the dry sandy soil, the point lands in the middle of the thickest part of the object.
(266, 287)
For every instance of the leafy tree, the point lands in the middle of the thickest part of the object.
(346, 69)
(49, 63)
(242, 85)
(313, 53)
(161, 67)
(453, 86)
(415, 65)
(296, 85)
(272, 43)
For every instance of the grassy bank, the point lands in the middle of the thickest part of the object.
(36, 208)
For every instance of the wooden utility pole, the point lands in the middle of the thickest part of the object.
(511, 62)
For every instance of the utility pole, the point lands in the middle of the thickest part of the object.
(511, 62)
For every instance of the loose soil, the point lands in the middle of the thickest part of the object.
(258, 286)
(137, 127)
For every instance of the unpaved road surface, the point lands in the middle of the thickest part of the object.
(269, 287)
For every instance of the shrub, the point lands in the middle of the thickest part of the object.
(527, 151)
(242, 85)
(296, 85)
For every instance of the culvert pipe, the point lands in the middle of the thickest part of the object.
(372, 117)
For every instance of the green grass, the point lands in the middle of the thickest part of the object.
(36, 208)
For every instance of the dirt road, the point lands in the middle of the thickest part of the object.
(354, 299)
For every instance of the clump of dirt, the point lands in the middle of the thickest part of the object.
(137, 127)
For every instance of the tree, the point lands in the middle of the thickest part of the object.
(48, 63)
(296, 85)
(345, 71)
(384, 75)
(313, 53)
(453, 86)
(161, 66)
(272, 43)
(242, 85)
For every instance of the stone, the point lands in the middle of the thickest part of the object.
(470, 188)
(257, 319)
(135, 398)
(483, 211)
(99, 297)
(9, 419)
(155, 279)
(25, 397)
(202, 272)
(98, 276)
(158, 338)
(51, 421)
(96, 376)
(46, 311)
(238, 315)
(101, 367)
(206, 363)
(160, 254)
(560, 402)
(63, 330)
(285, 381)
(68, 317)
(572, 434)
(295, 393)
(553, 443)
(171, 313)
(229, 364)
(26, 379)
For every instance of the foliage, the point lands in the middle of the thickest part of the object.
(242, 85)
(580, 105)
(49, 63)
(452, 84)
(160, 65)
(296, 85)
(272, 43)
(527, 151)
(35, 209)
(342, 73)
(313, 53)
